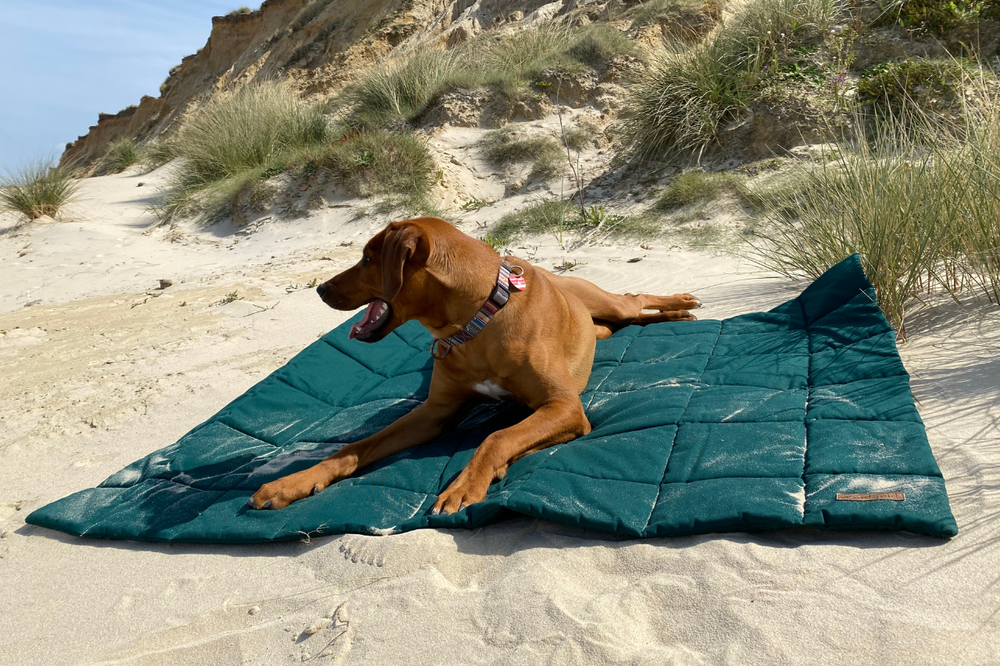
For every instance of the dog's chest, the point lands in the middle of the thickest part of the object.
(491, 389)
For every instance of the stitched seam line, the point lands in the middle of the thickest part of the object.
(598, 388)
(673, 441)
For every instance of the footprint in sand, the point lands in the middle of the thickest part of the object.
(364, 550)
(10, 507)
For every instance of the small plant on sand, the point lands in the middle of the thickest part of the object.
(694, 187)
(240, 11)
(493, 241)
(476, 203)
(36, 190)
(229, 298)
(558, 216)
(508, 146)
(120, 155)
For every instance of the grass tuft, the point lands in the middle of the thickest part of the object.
(36, 190)
(507, 146)
(923, 212)
(918, 85)
(120, 155)
(560, 217)
(682, 101)
(597, 45)
(380, 162)
(158, 152)
(263, 130)
(695, 187)
(246, 130)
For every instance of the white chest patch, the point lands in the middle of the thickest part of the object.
(491, 389)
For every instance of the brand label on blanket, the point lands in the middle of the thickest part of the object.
(870, 497)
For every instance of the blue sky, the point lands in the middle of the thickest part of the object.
(62, 62)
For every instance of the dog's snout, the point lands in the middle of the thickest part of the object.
(321, 290)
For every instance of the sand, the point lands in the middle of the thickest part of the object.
(99, 368)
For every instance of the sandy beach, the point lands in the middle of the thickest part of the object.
(101, 367)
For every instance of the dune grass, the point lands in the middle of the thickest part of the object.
(158, 152)
(378, 162)
(934, 86)
(246, 130)
(263, 130)
(924, 213)
(681, 102)
(561, 218)
(122, 153)
(507, 146)
(507, 64)
(693, 187)
(36, 189)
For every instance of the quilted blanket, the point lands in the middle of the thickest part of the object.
(800, 416)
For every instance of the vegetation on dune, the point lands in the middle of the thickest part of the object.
(917, 85)
(240, 11)
(508, 64)
(157, 153)
(379, 162)
(915, 190)
(937, 18)
(263, 130)
(122, 153)
(308, 13)
(246, 130)
(923, 213)
(687, 95)
(37, 189)
(506, 146)
(561, 217)
(692, 187)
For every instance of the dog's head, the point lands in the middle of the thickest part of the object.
(391, 278)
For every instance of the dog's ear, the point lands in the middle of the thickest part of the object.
(401, 243)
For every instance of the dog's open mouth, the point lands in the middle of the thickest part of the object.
(378, 313)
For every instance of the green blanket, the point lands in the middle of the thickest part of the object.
(755, 422)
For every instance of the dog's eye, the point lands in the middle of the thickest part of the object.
(365, 260)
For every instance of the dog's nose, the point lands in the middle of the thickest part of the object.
(321, 290)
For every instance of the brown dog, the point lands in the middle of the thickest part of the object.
(537, 350)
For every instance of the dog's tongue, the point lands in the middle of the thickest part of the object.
(371, 314)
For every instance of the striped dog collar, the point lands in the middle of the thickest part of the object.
(509, 278)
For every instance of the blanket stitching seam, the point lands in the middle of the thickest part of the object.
(598, 387)
(666, 466)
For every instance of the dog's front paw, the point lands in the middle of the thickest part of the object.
(687, 301)
(282, 492)
(462, 492)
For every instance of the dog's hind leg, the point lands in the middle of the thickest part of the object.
(613, 311)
